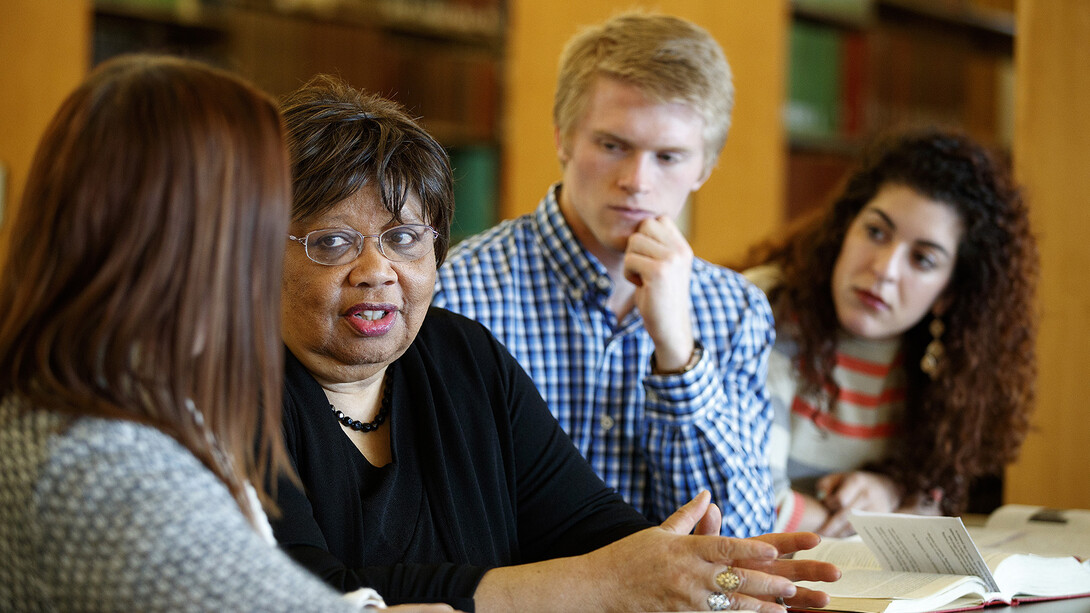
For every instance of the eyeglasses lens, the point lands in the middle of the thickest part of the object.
(333, 247)
(399, 244)
(406, 243)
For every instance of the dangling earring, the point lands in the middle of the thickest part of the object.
(933, 355)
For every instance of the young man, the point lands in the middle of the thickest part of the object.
(652, 360)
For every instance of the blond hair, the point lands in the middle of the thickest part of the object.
(668, 58)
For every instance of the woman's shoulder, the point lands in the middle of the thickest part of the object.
(97, 457)
(128, 454)
(68, 441)
(765, 276)
(453, 342)
(447, 327)
(86, 469)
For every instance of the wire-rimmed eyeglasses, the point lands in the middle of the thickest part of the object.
(336, 246)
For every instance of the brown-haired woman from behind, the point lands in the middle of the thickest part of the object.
(140, 356)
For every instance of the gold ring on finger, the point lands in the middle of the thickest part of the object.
(728, 580)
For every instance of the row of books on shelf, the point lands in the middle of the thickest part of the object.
(439, 6)
(825, 81)
(457, 95)
(460, 18)
(454, 87)
(910, 564)
(845, 82)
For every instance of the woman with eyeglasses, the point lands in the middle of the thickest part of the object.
(430, 467)
(140, 365)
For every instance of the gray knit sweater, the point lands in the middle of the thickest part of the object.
(104, 515)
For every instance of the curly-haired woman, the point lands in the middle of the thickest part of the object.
(904, 367)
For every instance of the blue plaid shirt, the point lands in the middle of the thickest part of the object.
(657, 439)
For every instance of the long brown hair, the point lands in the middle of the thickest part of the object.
(143, 268)
(972, 418)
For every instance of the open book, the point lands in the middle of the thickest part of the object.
(1040, 530)
(909, 564)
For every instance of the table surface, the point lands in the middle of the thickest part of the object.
(1069, 605)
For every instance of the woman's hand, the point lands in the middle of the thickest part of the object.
(813, 514)
(661, 569)
(786, 544)
(841, 493)
(922, 503)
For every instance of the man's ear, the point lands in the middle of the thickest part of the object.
(561, 150)
(704, 175)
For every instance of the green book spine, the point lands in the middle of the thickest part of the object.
(813, 103)
(476, 176)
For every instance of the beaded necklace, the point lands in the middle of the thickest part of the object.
(372, 425)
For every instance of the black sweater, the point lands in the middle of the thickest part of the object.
(482, 476)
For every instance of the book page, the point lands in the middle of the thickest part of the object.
(1021, 515)
(895, 585)
(845, 553)
(913, 543)
(1038, 530)
(881, 591)
(1034, 576)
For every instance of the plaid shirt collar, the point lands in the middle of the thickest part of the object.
(580, 271)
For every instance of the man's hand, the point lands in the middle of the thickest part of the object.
(659, 261)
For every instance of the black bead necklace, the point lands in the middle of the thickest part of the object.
(372, 425)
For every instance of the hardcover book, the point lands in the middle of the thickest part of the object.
(908, 564)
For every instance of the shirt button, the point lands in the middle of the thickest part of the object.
(602, 283)
(607, 422)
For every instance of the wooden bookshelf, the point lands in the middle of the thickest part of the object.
(859, 67)
(442, 59)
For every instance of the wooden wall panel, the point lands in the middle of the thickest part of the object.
(1051, 144)
(44, 53)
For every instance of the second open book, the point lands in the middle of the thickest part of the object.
(908, 564)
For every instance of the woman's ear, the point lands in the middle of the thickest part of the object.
(942, 303)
